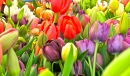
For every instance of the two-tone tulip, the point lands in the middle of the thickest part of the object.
(47, 15)
(75, 7)
(8, 39)
(61, 7)
(85, 20)
(52, 50)
(99, 31)
(13, 67)
(66, 50)
(114, 44)
(84, 45)
(70, 26)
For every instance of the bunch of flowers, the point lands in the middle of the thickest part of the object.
(64, 38)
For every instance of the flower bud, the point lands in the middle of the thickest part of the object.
(66, 50)
(8, 39)
(113, 5)
(13, 67)
(114, 44)
(47, 15)
(60, 41)
(85, 45)
(21, 45)
(85, 20)
(75, 8)
(38, 11)
(33, 70)
(22, 67)
(99, 60)
(9, 3)
(23, 21)
(24, 57)
(52, 50)
(77, 68)
(14, 18)
(124, 23)
(23, 30)
(120, 10)
(42, 39)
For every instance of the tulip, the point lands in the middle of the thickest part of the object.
(1, 2)
(34, 23)
(47, 15)
(46, 72)
(126, 42)
(22, 67)
(75, 8)
(24, 57)
(113, 5)
(60, 41)
(8, 39)
(1, 53)
(38, 11)
(13, 67)
(21, 45)
(30, 5)
(128, 32)
(49, 28)
(69, 26)
(125, 2)
(124, 23)
(66, 50)
(33, 70)
(99, 31)
(77, 68)
(127, 7)
(114, 44)
(61, 7)
(52, 50)
(86, 45)
(99, 60)
(1, 27)
(102, 5)
(120, 10)
(85, 20)
(23, 21)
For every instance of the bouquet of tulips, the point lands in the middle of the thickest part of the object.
(65, 38)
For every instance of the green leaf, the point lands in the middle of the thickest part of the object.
(82, 55)
(86, 69)
(11, 22)
(68, 63)
(21, 51)
(101, 16)
(20, 14)
(119, 65)
(86, 31)
(34, 4)
(112, 31)
(29, 64)
(35, 60)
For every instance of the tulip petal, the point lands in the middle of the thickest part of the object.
(0, 53)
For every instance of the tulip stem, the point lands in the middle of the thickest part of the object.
(61, 66)
(90, 65)
(9, 12)
(95, 55)
(56, 18)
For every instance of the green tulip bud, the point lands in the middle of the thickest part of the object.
(13, 67)
(66, 50)
(23, 30)
(8, 39)
(42, 39)
(24, 57)
(124, 23)
(20, 14)
(127, 7)
(9, 3)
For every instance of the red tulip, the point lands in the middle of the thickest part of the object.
(1, 27)
(69, 26)
(51, 30)
(60, 6)
(1, 2)
(125, 2)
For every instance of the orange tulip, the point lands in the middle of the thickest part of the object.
(30, 6)
(47, 15)
(1, 2)
(1, 53)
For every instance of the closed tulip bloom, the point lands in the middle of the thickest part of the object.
(114, 44)
(70, 26)
(77, 68)
(99, 31)
(85, 45)
(14, 18)
(125, 2)
(113, 5)
(52, 50)
(51, 30)
(22, 67)
(126, 42)
(61, 7)
(47, 15)
(85, 20)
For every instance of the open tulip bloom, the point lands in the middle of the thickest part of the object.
(64, 38)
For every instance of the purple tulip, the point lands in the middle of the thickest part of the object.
(99, 31)
(22, 67)
(115, 44)
(128, 33)
(23, 21)
(14, 18)
(60, 41)
(21, 45)
(99, 60)
(126, 42)
(77, 68)
(52, 50)
(84, 45)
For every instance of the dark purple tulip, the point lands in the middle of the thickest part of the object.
(60, 41)
(99, 60)
(99, 31)
(23, 21)
(77, 68)
(21, 45)
(114, 44)
(84, 45)
(126, 42)
(52, 50)
(81, 12)
(14, 18)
